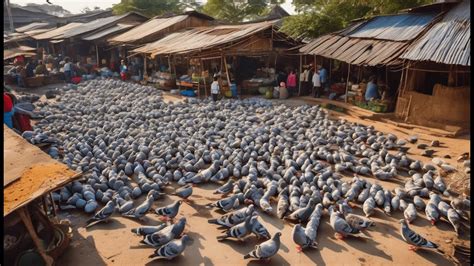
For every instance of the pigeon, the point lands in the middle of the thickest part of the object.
(454, 219)
(147, 230)
(141, 209)
(170, 211)
(238, 231)
(415, 240)
(340, 225)
(122, 204)
(301, 239)
(387, 202)
(403, 205)
(103, 214)
(443, 208)
(283, 203)
(227, 204)
(172, 249)
(258, 229)
(358, 222)
(432, 213)
(302, 214)
(419, 203)
(226, 188)
(313, 223)
(165, 235)
(344, 207)
(233, 218)
(369, 206)
(184, 192)
(410, 213)
(267, 249)
(265, 205)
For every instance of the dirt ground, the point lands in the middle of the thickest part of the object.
(114, 244)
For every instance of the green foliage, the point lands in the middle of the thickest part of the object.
(238, 10)
(319, 17)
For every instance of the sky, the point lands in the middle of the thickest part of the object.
(76, 6)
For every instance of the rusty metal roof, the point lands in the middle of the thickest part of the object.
(448, 41)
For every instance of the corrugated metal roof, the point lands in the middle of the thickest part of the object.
(448, 41)
(202, 38)
(56, 32)
(93, 25)
(401, 27)
(33, 26)
(356, 51)
(148, 28)
(115, 29)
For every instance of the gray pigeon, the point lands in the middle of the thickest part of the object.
(410, 213)
(258, 229)
(166, 234)
(226, 188)
(233, 218)
(369, 206)
(313, 223)
(415, 240)
(103, 214)
(340, 225)
(147, 230)
(283, 203)
(170, 211)
(172, 249)
(432, 213)
(302, 214)
(184, 192)
(419, 203)
(122, 204)
(141, 209)
(267, 249)
(454, 219)
(443, 208)
(301, 239)
(227, 204)
(238, 231)
(358, 222)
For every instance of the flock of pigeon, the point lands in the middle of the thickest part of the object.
(130, 143)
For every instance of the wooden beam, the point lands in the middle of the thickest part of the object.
(347, 82)
(25, 217)
(227, 71)
(97, 54)
(299, 79)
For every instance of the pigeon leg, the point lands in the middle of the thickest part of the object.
(164, 219)
(298, 249)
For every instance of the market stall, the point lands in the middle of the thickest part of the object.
(32, 233)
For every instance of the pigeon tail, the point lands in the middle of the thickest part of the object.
(222, 237)
(212, 221)
(247, 256)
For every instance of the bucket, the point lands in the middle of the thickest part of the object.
(233, 89)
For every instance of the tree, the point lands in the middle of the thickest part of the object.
(318, 17)
(151, 7)
(238, 10)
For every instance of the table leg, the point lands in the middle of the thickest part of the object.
(25, 217)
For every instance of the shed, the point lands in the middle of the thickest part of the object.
(158, 27)
(437, 74)
(29, 175)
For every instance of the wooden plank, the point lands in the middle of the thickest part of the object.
(226, 71)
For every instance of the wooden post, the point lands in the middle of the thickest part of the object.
(97, 54)
(299, 78)
(169, 63)
(347, 82)
(330, 69)
(227, 71)
(145, 73)
(25, 217)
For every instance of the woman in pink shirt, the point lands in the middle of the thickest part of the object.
(291, 82)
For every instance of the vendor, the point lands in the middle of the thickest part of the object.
(41, 69)
(30, 67)
(67, 70)
(372, 91)
(7, 109)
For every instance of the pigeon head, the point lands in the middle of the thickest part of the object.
(277, 235)
(186, 239)
(403, 222)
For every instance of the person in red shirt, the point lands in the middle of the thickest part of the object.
(291, 83)
(7, 110)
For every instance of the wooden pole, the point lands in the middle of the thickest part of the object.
(226, 71)
(145, 73)
(330, 68)
(25, 217)
(299, 79)
(347, 83)
(97, 54)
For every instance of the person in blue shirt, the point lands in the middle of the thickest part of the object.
(323, 75)
(372, 91)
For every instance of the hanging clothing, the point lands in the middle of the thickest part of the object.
(291, 80)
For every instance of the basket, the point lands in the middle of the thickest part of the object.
(34, 81)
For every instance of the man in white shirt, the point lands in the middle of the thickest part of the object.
(215, 89)
(316, 84)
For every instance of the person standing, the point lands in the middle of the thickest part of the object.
(291, 83)
(41, 69)
(215, 89)
(67, 70)
(123, 70)
(316, 79)
(323, 75)
(7, 110)
(30, 67)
